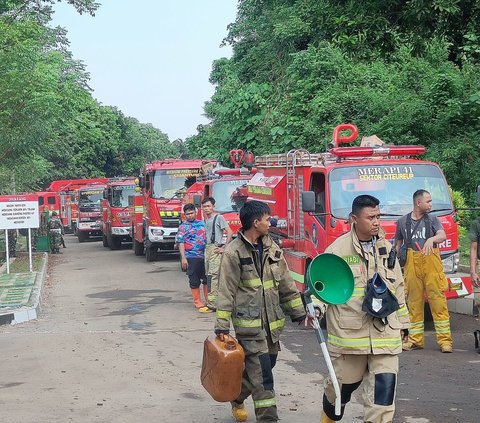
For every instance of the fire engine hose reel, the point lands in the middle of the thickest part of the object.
(330, 279)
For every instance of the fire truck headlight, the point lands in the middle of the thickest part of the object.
(157, 232)
(120, 231)
(450, 263)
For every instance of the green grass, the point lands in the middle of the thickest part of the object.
(22, 265)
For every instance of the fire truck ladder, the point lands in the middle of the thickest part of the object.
(294, 159)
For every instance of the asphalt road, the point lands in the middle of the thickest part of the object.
(119, 340)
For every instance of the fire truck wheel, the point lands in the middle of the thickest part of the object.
(81, 236)
(105, 241)
(113, 242)
(137, 248)
(151, 253)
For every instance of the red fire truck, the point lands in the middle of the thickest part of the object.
(116, 212)
(49, 199)
(65, 190)
(227, 186)
(158, 206)
(312, 194)
(88, 200)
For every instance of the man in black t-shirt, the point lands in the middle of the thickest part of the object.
(474, 235)
(420, 233)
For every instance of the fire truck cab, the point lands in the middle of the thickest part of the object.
(116, 212)
(227, 186)
(157, 207)
(48, 199)
(88, 200)
(68, 209)
(312, 194)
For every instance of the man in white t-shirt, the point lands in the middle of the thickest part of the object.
(219, 234)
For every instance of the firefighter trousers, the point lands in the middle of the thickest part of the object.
(379, 373)
(424, 277)
(212, 267)
(260, 359)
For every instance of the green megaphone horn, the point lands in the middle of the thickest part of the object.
(330, 279)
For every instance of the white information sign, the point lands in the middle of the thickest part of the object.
(19, 211)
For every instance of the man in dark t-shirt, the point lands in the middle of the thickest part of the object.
(420, 233)
(474, 235)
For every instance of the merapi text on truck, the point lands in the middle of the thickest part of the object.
(116, 213)
(158, 206)
(312, 195)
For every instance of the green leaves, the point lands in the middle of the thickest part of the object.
(50, 126)
(406, 71)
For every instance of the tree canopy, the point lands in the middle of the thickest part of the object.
(406, 71)
(50, 125)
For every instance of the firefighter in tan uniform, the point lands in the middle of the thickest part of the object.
(363, 346)
(255, 292)
(420, 234)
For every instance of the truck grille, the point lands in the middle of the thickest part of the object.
(170, 222)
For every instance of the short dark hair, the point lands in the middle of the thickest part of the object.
(419, 193)
(188, 207)
(206, 200)
(363, 201)
(252, 210)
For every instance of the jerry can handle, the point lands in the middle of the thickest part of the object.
(230, 343)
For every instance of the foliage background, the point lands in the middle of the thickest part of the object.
(405, 71)
(50, 125)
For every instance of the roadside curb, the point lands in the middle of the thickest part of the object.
(30, 311)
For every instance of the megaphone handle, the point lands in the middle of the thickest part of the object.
(326, 356)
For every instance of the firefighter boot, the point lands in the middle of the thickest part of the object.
(239, 412)
(196, 297)
(326, 419)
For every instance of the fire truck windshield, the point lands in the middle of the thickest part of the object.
(120, 194)
(393, 185)
(230, 195)
(172, 183)
(90, 200)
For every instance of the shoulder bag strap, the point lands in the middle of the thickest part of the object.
(212, 236)
(428, 227)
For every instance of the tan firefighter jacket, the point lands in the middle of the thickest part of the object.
(351, 330)
(255, 300)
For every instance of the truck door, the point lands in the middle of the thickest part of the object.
(318, 218)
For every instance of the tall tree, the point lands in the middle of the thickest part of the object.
(406, 71)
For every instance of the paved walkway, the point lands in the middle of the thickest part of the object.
(20, 294)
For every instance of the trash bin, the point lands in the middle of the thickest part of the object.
(43, 243)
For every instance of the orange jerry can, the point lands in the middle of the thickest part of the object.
(222, 368)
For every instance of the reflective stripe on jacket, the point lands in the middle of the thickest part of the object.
(256, 303)
(351, 330)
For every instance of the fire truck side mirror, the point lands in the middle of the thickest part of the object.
(308, 201)
(478, 195)
(105, 194)
(141, 181)
(197, 200)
